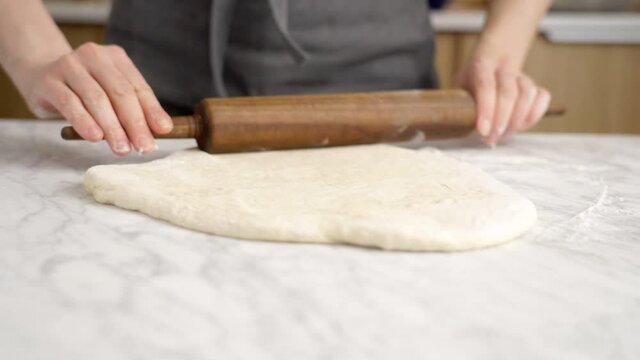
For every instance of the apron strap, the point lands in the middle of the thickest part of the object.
(220, 24)
(280, 13)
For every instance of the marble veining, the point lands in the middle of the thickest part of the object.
(80, 280)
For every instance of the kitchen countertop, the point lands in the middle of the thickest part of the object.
(89, 13)
(560, 27)
(81, 280)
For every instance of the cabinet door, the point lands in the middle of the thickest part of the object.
(11, 104)
(599, 84)
(447, 62)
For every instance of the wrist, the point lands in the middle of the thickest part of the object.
(29, 40)
(509, 29)
(500, 52)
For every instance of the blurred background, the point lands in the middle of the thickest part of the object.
(587, 53)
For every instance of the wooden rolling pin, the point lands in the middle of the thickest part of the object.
(223, 125)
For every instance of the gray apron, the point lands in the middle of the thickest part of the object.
(192, 49)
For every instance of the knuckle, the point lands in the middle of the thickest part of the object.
(509, 92)
(76, 117)
(482, 64)
(89, 49)
(119, 55)
(483, 79)
(117, 50)
(46, 83)
(64, 100)
(508, 88)
(524, 83)
(94, 97)
(528, 93)
(67, 62)
(506, 74)
(507, 85)
(134, 123)
(122, 89)
(42, 107)
(70, 67)
(483, 73)
(143, 88)
(113, 134)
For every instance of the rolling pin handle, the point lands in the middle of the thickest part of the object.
(69, 133)
(184, 127)
(555, 110)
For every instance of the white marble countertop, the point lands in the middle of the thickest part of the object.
(560, 27)
(88, 13)
(81, 280)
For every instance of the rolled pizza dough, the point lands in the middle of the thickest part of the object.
(374, 195)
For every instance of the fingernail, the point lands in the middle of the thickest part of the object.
(122, 146)
(146, 145)
(165, 122)
(94, 133)
(490, 141)
(485, 127)
(142, 152)
(501, 129)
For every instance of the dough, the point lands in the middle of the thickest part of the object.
(373, 195)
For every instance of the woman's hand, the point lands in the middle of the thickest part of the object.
(507, 100)
(102, 94)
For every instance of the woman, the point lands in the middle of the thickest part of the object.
(171, 54)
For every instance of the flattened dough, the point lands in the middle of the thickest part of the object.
(373, 195)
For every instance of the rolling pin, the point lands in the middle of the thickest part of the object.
(237, 124)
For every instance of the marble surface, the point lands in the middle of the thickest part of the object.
(558, 27)
(80, 280)
(74, 12)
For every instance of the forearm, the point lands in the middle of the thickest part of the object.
(29, 38)
(510, 28)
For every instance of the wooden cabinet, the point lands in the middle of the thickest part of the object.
(447, 60)
(11, 103)
(599, 84)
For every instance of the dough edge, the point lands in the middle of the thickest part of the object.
(327, 230)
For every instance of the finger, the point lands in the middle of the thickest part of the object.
(505, 102)
(159, 121)
(484, 91)
(97, 103)
(38, 102)
(527, 91)
(42, 108)
(538, 109)
(122, 96)
(67, 103)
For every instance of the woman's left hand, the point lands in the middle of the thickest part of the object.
(507, 100)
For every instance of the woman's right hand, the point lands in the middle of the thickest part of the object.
(102, 94)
